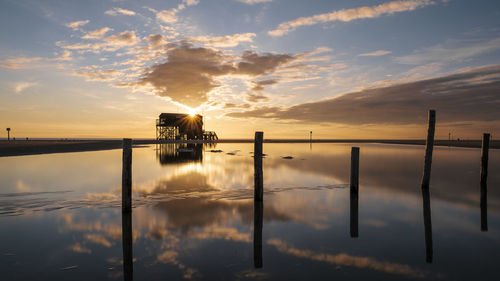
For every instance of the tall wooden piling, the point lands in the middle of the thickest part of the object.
(258, 177)
(483, 182)
(128, 265)
(127, 176)
(354, 169)
(427, 225)
(258, 222)
(428, 149)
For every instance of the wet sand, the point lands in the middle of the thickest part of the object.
(31, 147)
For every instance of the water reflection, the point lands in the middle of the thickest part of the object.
(354, 213)
(171, 153)
(427, 225)
(484, 206)
(257, 233)
(128, 271)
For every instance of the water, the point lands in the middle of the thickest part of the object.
(194, 216)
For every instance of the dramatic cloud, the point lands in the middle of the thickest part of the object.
(450, 54)
(225, 41)
(97, 34)
(467, 96)
(375, 53)
(256, 98)
(76, 24)
(119, 11)
(190, 73)
(351, 14)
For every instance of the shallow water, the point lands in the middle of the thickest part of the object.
(194, 215)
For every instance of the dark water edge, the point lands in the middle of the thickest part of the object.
(33, 147)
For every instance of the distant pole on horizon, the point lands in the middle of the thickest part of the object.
(8, 134)
(310, 136)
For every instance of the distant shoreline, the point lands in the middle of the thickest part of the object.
(33, 147)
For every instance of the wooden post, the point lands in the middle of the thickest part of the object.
(428, 149)
(258, 221)
(354, 169)
(354, 214)
(127, 176)
(257, 156)
(427, 225)
(484, 179)
(128, 265)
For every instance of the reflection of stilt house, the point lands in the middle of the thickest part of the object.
(179, 126)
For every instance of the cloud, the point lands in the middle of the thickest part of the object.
(467, 96)
(76, 24)
(125, 38)
(251, 2)
(156, 40)
(97, 34)
(170, 16)
(97, 75)
(224, 41)
(190, 73)
(351, 14)
(256, 98)
(375, 53)
(259, 85)
(119, 11)
(20, 62)
(450, 54)
(21, 86)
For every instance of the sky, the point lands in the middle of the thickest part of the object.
(342, 69)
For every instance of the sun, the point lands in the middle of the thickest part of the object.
(192, 112)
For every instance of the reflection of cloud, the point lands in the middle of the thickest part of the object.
(466, 96)
(77, 248)
(98, 239)
(347, 260)
(170, 256)
(347, 15)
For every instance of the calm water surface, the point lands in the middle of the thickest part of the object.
(194, 217)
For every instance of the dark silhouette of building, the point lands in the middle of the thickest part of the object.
(181, 126)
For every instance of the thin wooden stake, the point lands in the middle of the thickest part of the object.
(483, 182)
(127, 176)
(428, 149)
(354, 169)
(258, 177)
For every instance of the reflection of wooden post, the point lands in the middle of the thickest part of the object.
(128, 266)
(354, 168)
(257, 156)
(127, 175)
(484, 178)
(354, 214)
(258, 219)
(427, 224)
(428, 149)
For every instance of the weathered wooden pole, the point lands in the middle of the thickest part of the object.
(427, 225)
(258, 221)
(354, 214)
(354, 169)
(128, 265)
(127, 176)
(429, 145)
(258, 177)
(484, 179)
